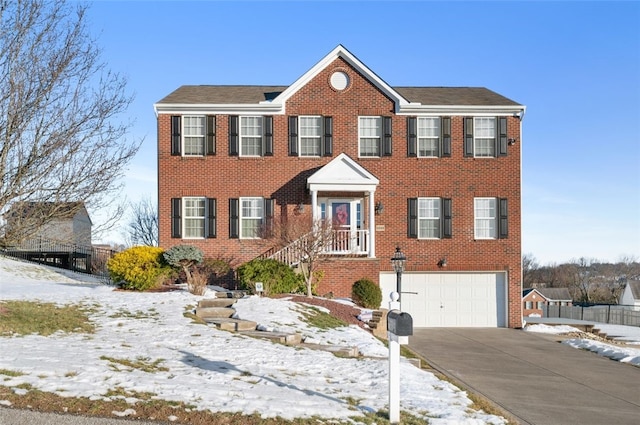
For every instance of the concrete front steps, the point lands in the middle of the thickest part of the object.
(219, 311)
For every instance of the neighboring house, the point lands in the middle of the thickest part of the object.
(66, 222)
(435, 171)
(631, 294)
(534, 300)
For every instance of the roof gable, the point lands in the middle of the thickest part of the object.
(634, 287)
(342, 173)
(341, 52)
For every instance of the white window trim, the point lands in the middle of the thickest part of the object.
(241, 216)
(300, 136)
(493, 219)
(185, 217)
(476, 138)
(184, 134)
(379, 137)
(241, 136)
(436, 138)
(438, 218)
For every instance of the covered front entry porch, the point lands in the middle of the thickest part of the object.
(343, 195)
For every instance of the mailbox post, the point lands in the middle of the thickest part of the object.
(399, 328)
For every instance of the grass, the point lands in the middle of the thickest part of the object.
(148, 408)
(320, 319)
(141, 363)
(28, 317)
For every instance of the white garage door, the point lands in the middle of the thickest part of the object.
(450, 299)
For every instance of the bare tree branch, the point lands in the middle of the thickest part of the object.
(142, 228)
(61, 139)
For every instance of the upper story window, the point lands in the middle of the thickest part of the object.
(429, 137)
(485, 137)
(374, 136)
(490, 218)
(250, 135)
(429, 218)
(193, 128)
(193, 217)
(193, 135)
(310, 135)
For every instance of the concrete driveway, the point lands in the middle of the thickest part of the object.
(533, 377)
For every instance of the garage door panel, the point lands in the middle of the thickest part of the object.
(450, 299)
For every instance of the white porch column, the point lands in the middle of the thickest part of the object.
(314, 207)
(372, 225)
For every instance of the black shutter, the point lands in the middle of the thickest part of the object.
(234, 218)
(468, 136)
(501, 134)
(327, 148)
(269, 207)
(211, 218)
(176, 139)
(293, 136)
(233, 135)
(412, 218)
(386, 136)
(446, 218)
(267, 136)
(176, 217)
(445, 128)
(412, 136)
(503, 225)
(211, 135)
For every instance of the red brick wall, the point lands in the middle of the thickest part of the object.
(284, 178)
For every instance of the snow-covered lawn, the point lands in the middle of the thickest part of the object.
(204, 367)
(625, 353)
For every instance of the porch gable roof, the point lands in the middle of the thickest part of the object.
(342, 174)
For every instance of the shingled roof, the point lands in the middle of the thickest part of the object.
(228, 95)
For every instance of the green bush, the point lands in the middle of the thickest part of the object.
(277, 277)
(184, 257)
(366, 293)
(139, 268)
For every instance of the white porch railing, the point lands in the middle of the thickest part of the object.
(341, 242)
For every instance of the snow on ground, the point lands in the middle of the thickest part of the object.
(205, 367)
(628, 334)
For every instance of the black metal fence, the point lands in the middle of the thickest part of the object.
(612, 314)
(79, 258)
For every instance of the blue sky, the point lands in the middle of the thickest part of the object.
(575, 65)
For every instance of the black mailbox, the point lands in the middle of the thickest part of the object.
(400, 323)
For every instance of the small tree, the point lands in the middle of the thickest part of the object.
(308, 240)
(184, 256)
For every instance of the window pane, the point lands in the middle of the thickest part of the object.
(428, 218)
(310, 136)
(251, 217)
(194, 217)
(428, 136)
(370, 130)
(485, 218)
(251, 136)
(193, 130)
(484, 136)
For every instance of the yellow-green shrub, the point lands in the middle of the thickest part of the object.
(138, 268)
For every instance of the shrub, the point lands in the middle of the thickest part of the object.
(277, 277)
(366, 293)
(139, 268)
(184, 256)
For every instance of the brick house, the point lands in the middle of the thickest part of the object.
(534, 300)
(432, 170)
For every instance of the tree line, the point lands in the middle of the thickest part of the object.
(589, 280)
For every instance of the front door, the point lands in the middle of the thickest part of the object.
(344, 215)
